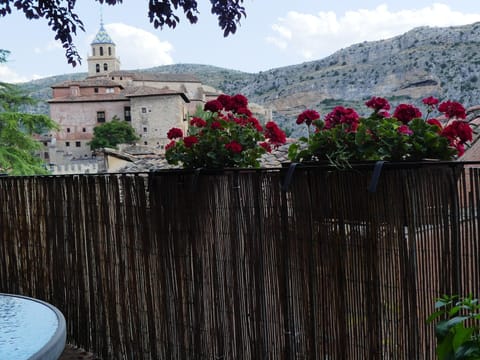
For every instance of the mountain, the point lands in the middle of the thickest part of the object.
(440, 62)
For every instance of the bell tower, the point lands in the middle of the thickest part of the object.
(103, 59)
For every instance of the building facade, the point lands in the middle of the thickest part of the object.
(151, 102)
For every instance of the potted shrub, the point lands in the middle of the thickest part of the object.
(224, 135)
(343, 136)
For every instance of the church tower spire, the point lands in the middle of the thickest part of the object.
(103, 59)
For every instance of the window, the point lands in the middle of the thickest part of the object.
(144, 110)
(46, 155)
(101, 50)
(144, 129)
(145, 143)
(67, 143)
(84, 129)
(95, 90)
(109, 51)
(93, 52)
(105, 67)
(110, 90)
(45, 143)
(127, 114)
(78, 144)
(97, 68)
(101, 116)
(68, 130)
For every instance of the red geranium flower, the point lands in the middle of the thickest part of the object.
(342, 115)
(430, 101)
(174, 133)
(255, 123)
(198, 122)
(244, 111)
(460, 149)
(436, 123)
(463, 130)
(189, 141)
(307, 117)
(458, 130)
(378, 103)
(238, 101)
(213, 106)
(452, 109)
(266, 146)
(170, 145)
(404, 129)
(234, 147)
(406, 112)
(216, 125)
(226, 101)
(274, 134)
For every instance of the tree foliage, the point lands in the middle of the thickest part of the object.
(17, 130)
(64, 21)
(112, 133)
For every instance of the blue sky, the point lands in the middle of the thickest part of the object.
(274, 34)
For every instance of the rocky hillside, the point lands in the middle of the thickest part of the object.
(443, 62)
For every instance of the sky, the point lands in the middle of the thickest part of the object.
(274, 34)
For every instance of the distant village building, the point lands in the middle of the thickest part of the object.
(151, 102)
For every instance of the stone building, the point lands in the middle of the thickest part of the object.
(151, 102)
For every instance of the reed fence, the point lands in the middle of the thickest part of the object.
(245, 264)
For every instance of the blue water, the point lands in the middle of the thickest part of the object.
(25, 327)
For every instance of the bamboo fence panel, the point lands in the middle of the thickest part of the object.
(227, 265)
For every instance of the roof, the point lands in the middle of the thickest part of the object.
(142, 91)
(102, 37)
(151, 76)
(90, 82)
(89, 98)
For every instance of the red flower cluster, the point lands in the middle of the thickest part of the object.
(307, 117)
(378, 103)
(198, 122)
(430, 101)
(406, 112)
(342, 115)
(274, 134)
(458, 133)
(435, 122)
(189, 141)
(237, 103)
(452, 109)
(266, 146)
(174, 133)
(225, 135)
(215, 125)
(234, 147)
(405, 130)
(170, 145)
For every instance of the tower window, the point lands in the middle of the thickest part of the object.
(101, 116)
(101, 50)
(109, 51)
(127, 114)
(97, 68)
(105, 67)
